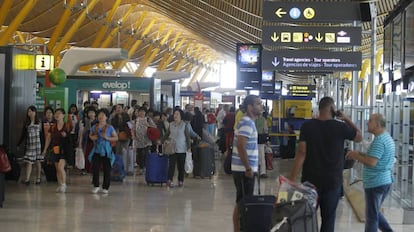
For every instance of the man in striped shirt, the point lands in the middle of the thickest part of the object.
(245, 155)
(377, 173)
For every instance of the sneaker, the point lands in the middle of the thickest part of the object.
(63, 188)
(95, 190)
(170, 184)
(180, 184)
(264, 176)
(105, 191)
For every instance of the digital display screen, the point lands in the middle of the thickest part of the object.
(249, 55)
(249, 67)
(267, 84)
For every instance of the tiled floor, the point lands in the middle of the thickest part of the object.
(201, 205)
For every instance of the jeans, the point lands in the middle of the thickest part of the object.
(373, 201)
(328, 202)
(178, 158)
(97, 159)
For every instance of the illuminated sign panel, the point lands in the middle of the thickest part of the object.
(311, 36)
(301, 90)
(311, 60)
(311, 11)
(44, 62)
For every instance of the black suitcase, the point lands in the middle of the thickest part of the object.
(50, 171)
(203, 160)
(256, 212)
(294, 216)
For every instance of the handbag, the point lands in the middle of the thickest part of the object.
(227, 162)
(188, 166)
(123, 136)
(168, 147)
(79, 158)
(4, 161)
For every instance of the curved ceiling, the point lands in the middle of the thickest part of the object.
(178, 35)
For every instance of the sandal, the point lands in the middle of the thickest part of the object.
(37, 181)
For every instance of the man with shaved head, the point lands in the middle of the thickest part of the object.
(377, 172)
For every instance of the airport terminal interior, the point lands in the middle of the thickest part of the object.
(203, 57)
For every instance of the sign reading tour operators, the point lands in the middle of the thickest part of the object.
(311, 60)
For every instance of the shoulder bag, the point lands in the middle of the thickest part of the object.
(4, 161)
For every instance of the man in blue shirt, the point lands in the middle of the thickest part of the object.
(320, 155)
(245, 155)
(377, 173)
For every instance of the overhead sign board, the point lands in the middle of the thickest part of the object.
(311, 36)
(301, 90)
(311, 60)
(311, 11)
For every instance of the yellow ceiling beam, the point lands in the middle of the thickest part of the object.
(167, 58)
(5, 7)
(146, 56)
(8, 33)
(61, 25)
(104, 27)
(181, 62)
(145, 62)
(20, 35)
(132, 49)
(196, 74)
(75, 26)
(114, 31)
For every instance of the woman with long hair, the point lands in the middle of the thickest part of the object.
(33, 138)
(58, 140)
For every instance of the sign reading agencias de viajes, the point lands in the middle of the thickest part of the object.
(311, 60)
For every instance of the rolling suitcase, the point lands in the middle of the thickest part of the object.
(294, 216)
(156, 168)
(203, 160)
(118, 170)
(256, 212)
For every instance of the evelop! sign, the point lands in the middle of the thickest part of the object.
(120, 85)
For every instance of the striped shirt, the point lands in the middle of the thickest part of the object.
(246, 128)
(382, 148)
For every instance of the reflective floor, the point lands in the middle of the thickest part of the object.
(201, 205)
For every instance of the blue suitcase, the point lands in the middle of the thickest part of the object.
(118, 171)
(156, 169)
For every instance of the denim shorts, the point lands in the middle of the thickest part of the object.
(243, 184)
(57, 157)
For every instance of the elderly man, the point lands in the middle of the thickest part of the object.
(377, 173)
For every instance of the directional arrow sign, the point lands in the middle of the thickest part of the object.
(283, 11)
(311, 60)
(275, 62)
(279, 13)
(319, 38)
(311, 36)
(274, 37)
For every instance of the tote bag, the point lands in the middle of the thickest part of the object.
(168, 147)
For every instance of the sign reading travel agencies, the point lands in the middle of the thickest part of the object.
(311, 60)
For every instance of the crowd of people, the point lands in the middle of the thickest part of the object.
(242, 135)
(53, 138)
